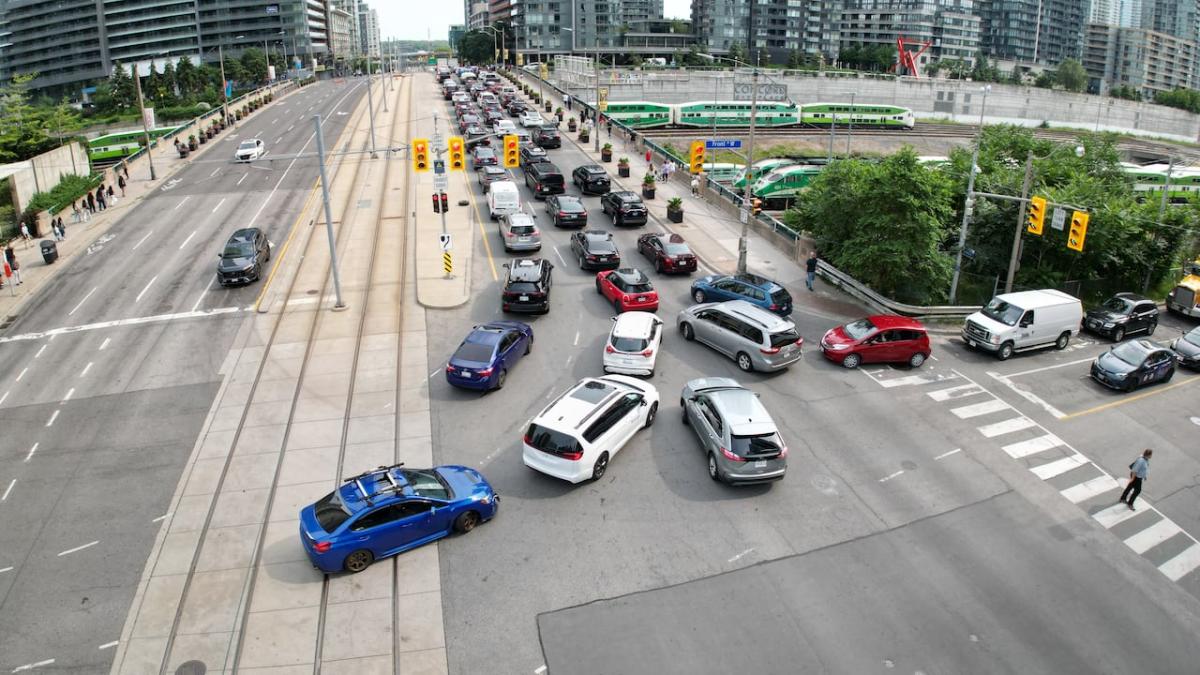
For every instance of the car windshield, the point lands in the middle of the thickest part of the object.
(629, 344)
(858, 330)
(238, 249)
(677, 249)
(1118, 305)
(426, 484)
(1129, 352)
(1193, 336)
(330, 511)
(999, 310)
(474, 351)
(246, 145)
(758, 445)
(784, 337)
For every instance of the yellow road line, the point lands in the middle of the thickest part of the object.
(479, 218)
(283, 252)
(1131, 399)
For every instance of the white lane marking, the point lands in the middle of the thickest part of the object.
(942, 395)
(947, 454)
(109, 645)
(162, 517)
(201, 298)
(887, 478)
(291, 127)
(189, 238)
(540, 669)
(1024, 393)
(242, 178)
(277, 140)
(1152, 536)
(82, 301)
(86, 369)
(1092, 488)
(144, 238)
(435, 372)
(182, 202)
(5, 569)
(23, 371)
(1032, 446)
(257, 135)
(1057, 365)
(77, 549)
(104, 344)
(1006, 427)
(739, 556)
(1114, 515)
(219, 204)
(491, 456)
(576, 338)
(1059, 467)
(148, 285)
(214, 172)
(4, 397)
(977, 409)
(31, 451)
(561, 259)
(136, 321)
(8, 489)
(70, 393)
(1182, 564)
(53, 416)
(912, 379)
(274, 121)
(39, 352)
(31, 666)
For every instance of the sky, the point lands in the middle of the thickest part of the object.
(418, 19)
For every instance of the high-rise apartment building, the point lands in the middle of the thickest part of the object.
(368, 31)
(1032, 32)
(951, 27)
(769, 30)
(341, 34)
(1147, 60)
(539, 24)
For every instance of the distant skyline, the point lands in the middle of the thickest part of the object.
(433, 19)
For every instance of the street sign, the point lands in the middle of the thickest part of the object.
(1060, 218)
(766, 92)
(439, 166)
(444, 240)
(440, 181)
(722, 144)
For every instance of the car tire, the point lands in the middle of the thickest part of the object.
(500, 380)
(1169, 376)
(600, 466)
(698, 296)
(851, 361)
(1119, 334)
(1005, 352)
(257, 271)
(744, 362)
(1150, 327)
(358, 561)
(1062, 341)
(529, 346)
(465, 522)
(916, 360)
(713, 471)
(617, 306)
(658, 266)
(650, 415)
(686, 329)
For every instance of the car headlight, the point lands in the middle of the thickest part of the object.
(484, 499)
(838, 347)
(248, 268)
(994, 339)
(1109, 324)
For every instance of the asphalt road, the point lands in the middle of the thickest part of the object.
(97, 423)
(887, 495)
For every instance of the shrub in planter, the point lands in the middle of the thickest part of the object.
(548, 105)
(192, 143)
(623, 167)
(202, 138)
(584, 135)
(606, 153)
(648, 186)
(571, 125)
(675, 210)
(183, 150)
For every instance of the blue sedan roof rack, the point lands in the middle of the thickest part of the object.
(392, 486)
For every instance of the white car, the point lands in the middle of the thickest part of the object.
(578, 434)
(504, 127)
(531, 120)
(250, 150)
(633, 343)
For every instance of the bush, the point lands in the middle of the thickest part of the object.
(69, 189)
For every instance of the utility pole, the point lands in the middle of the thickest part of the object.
(137, 77)
(381, 87)
(744, 240)
(333, 262)
(1015, 256)
(969, 205)
(224, 87)
(440, 183)
(596, 72)
(370, 105)
(832, 126)
(850, 124)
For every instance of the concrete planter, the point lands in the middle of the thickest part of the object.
(675, 215)
(648, 191)
(605, 155)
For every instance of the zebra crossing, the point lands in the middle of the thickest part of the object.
(1146, 531)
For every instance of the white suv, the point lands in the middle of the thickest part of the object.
(577, 435)
(633, 343)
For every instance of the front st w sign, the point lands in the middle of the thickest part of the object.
(766, 92)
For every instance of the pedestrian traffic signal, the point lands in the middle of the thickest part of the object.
(1078, 231)
(1037, 215)
(437, 203)
(420, 154)
(696, 161)
(458, 160)
(512, 152)
(445, 203)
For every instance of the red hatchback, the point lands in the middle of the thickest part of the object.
(884, 338)
(627, 289)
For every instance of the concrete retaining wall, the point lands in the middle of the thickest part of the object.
(43, 172)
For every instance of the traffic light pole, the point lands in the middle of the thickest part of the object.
(371, 106)
(333, 262)
(1015, 256)
(744, 240)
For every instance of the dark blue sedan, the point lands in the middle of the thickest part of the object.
(483, 359)
(749, 287)
(390, 510)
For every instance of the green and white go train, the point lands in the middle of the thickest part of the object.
(736, 114)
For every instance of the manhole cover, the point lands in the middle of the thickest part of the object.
(311, 291)
(191, 668)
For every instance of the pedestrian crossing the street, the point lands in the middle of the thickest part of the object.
(1146, 531)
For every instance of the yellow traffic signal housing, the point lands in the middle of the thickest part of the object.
(512, 151)
(458, 160)
(1037, 215)
(1078, 232)
(696, 158)
(420, 154)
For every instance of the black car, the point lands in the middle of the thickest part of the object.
(595, 249)
(626, 208)
(547, 137)
(1129, 365)
(489, 174)
(566, 211)
(592, 179)
(245, 255)
(527, 286)
(469, 120)
(1122, 314)
(532, 154)
(483, 156)
(544, 179)
(516, 108)
(668, 252)
(1187, 349)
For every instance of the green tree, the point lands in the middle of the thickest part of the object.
(1071, 76)
(1186, 99)
(23, 134)
(1125, 91)
(477, 47)
(234, 70)
(1045, 80)
(124, 93)
(793, 61)
(188, 77)
(254, 65)
(736, 52)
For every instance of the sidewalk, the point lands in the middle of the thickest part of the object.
(710, 226)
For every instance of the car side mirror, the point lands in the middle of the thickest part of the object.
(614, 319)
(1026, 324)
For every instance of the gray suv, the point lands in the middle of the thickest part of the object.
(736, 433)
(519, 232)
(753, 337)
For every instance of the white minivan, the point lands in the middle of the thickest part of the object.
(503, 198)
(1025, 320)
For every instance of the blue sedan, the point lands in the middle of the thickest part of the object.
(483, 359)
(749, 287)
(390, 510)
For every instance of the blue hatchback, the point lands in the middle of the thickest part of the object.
(392, 509)
(749, 287)
(484, 357)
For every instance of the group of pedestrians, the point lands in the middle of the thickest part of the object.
(665, 170)
(10, 259)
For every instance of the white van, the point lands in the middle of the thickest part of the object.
(1025, 320)
(503, 198)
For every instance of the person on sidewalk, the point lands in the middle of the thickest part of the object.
(1138, 472)
(11, 256)
(125, 171)
(810, 266)
(91, 206)
(62, 229)
(121, 184)
(111, 198)
(100, 198)
(75, 214)
(567, 101)
(25, 234)
(696, 185)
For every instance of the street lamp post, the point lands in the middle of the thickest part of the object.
(969, 205)
(850, 123)
(137, 78)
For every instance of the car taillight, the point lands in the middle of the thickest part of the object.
(608, 349)
(730, 456)
(485, 372)
(648, 353)
(783, 452)
(562, 214)
(573, 456)
(528, 440)
(449, 368)
(773, 307)
(322, 546)
(534, 233)
(509, 235)
(772, 350)
(591, 256)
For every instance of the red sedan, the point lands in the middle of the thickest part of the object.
(627, 289)
(884, 338)
(668, 252)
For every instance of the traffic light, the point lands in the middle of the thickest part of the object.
(420, 155)
(756, 206)
(458, 160)
(512, 152)
(1037, 215)
(437, 203)
(1075, 237)
(696, 161)
(445, 203)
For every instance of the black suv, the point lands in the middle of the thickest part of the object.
(532, 154)
(566, 211)
(544, 179)
(1122, 314)
(626, 208)
(595, 249)
(592, 179)
(527, 286)
(245, 254)
(547, 137)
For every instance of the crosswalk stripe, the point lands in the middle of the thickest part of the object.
(977, 409)
(1088, 489)
(1114, 515)
(913, 379)
(1152, 536)
(1006, 427)
(960, 391)
(1033, 446)
(1060, 466)
(1179, 566)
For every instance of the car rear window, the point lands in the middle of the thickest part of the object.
(678, 249)
(522, 287)
(522, 229)
(549, 440)
(759, 446)
(781, 297)
(785, 337)
(551, 179)
(330, 511)
(629, 344)
(474, 351)
(639, 288)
